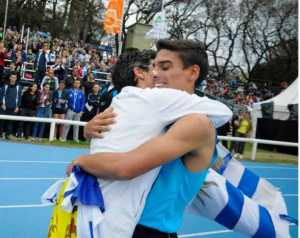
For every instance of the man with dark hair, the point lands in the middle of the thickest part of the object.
(41, 62)
(178, 181)
(10, 99)
(125, 75)
(194, 132)
(75, 105)
(143, 114)
(189, 52)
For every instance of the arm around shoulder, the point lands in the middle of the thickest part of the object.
(185, 135)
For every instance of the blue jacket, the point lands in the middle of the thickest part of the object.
(55, 99)
(76, 100)
(40, 63)
(10, 96)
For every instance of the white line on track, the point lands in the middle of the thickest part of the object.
(290, 195)
(204, 233)
(29, 179)
(51, 178)
(26, 205)
(269, 167)
(182, 236)
(207, 233)
(277, 178)
(67, 162)
(34, 161)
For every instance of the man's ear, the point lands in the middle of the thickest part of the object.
(138, 73)
(195, 72)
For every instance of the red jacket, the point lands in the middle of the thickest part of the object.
(3, 56)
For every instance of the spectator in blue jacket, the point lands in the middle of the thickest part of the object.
(75, 105)
(10, 98)
(41, 62)
(91, 108)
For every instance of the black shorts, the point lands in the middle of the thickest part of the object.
(58, 111)
(147, 232)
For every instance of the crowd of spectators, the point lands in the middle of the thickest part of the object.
(240, 97)
(57, 78)
(240, 93)
(51, 78)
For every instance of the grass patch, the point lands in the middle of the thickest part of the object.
(264, 156)
(81, 144)
(69, 143)
(267, 156)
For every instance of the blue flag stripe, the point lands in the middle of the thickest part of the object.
(91, 229)
(248, 183)
(289, 219)
(266, 226)
(87, 190)
(226, 160)
(68, 193)
(231, 213)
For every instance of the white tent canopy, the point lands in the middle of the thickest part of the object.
(280, 102)
(280, 108)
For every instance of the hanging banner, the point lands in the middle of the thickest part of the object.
(153, 7)
(113, 17)
(159, 29)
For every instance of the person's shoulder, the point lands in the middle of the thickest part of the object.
(69, 91)
(166, 93)
(152, 93)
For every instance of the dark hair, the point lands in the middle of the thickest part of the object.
(30, 88)
(190, 52)
(122, 72)
(13, 73)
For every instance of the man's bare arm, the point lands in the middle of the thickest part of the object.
(189, 133)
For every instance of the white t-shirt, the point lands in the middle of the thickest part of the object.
(143, 114)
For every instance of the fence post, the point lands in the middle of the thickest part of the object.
(52, 131)
(254, 149)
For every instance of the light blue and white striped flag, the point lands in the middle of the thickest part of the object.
(241, 201)
(253, 186)
(82, 191)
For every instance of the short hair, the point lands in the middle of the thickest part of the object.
(122, 72)
(13, 73)
(30, 87)
(190, 52)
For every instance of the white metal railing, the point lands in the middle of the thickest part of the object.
(53, 123)
(24, 69)
(256, 141)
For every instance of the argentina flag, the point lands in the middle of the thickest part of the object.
(238, 199)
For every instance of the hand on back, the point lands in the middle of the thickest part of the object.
(99, 124)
